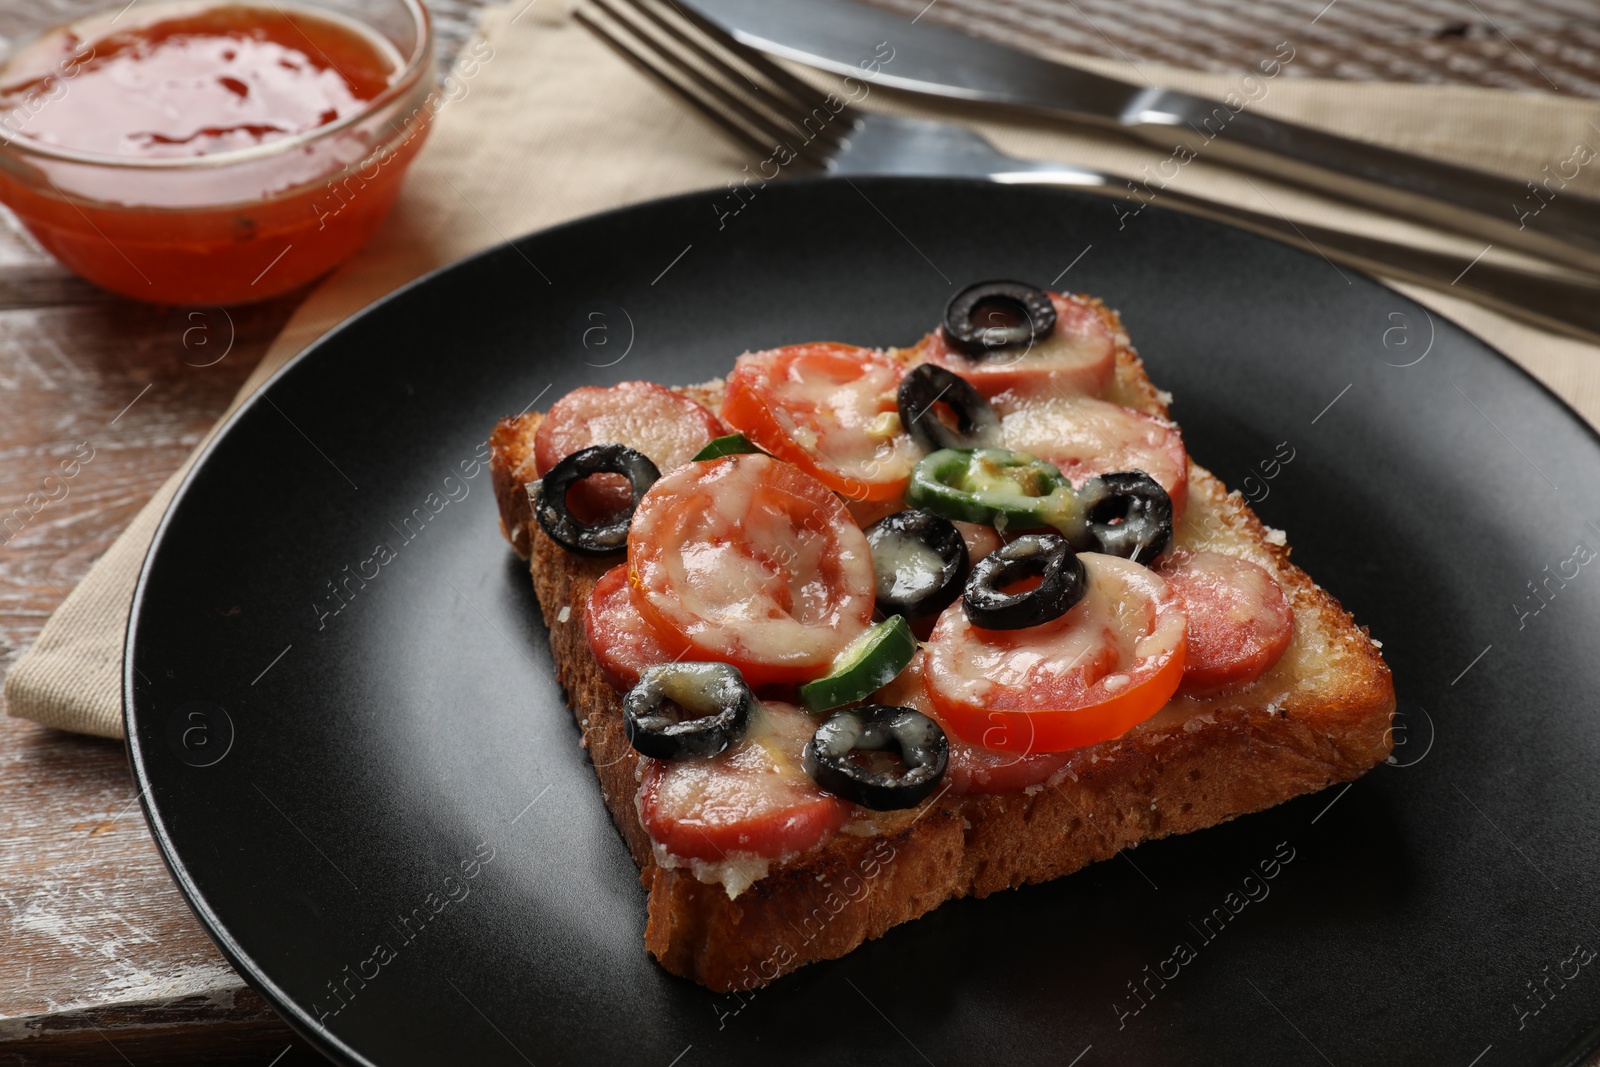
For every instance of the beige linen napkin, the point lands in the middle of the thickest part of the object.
(540, 123)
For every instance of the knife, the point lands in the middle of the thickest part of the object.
(1537, 215)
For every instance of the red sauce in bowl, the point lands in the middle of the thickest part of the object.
(205, 154)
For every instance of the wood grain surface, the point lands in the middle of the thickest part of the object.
(101, 961)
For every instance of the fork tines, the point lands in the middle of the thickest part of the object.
(752, 98)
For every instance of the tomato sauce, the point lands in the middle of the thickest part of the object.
(185, 81)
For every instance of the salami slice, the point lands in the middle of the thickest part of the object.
(622, 642)
(981, 540)
(755, 798)
(1240, 622)
(1085, 437)
(1079, 357)
(975, 769)
(649, 418)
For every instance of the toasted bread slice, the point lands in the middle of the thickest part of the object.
(1321, 715)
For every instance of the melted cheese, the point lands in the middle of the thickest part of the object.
(743, 574)
(1114, 628)
(1085, 437)
(1079, 343)
(850, 425)
(913, 566)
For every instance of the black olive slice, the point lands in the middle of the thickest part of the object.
(565, 528)
(989, 316)
(927, 384)
(1062, 583)
(715, 693)
(1126, 514)
(920, 562)
(922, 746)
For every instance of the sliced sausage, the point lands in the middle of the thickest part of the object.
(646, 417)
(1240, 622)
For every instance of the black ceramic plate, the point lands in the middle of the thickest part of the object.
(375, 800)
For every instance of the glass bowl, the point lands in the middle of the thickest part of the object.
(235, 226)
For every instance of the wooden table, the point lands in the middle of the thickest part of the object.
(101, 961)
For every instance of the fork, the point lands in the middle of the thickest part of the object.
(794, 125)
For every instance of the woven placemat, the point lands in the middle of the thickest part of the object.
(1542, 45)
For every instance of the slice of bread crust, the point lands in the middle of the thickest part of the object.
(1320, 716)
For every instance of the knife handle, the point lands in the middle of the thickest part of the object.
(1542, 217)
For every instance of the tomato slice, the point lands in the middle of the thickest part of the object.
(622, 642)
(972, 768)
(1105, 666)
(867, 512)
(1079, 356)
(829, 409)
(750, 561)
(753, 798)
(1240, 622)
(1085, 437)
(646, 417)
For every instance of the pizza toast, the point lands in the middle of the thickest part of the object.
(1320, 714)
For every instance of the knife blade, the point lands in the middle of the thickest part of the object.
(843, 37)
